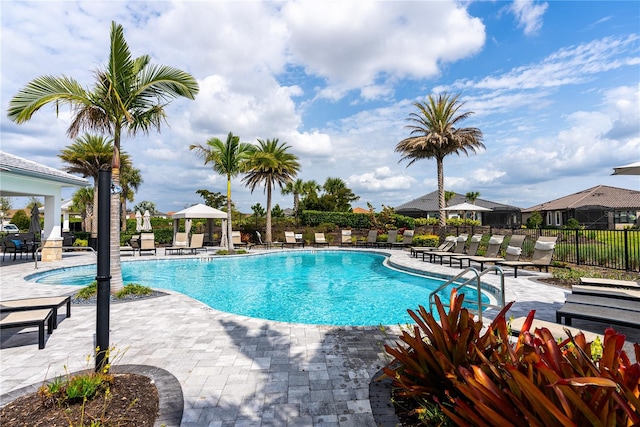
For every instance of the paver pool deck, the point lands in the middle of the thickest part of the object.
(236, 370)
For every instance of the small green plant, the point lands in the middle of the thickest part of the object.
(133, 289)
(81, 243)
(91, 290)
(226, 252)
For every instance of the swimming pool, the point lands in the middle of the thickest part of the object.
(328, 287)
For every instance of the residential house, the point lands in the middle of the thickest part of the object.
(599, 207)
(427, 207)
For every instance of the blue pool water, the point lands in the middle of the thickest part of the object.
(311, 287)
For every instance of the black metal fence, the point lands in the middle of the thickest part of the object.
(615, 249)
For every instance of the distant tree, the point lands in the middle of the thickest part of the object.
(436, 133)
(471, 196)
(258, 212)
(572, 224)
(296, 188)
(145, 205)
(82, 202)
(215, 200)
(33, 201)
(277, 212)
(5, 204)
(270, 164)
(21, 220)
(535, 220)
(228, 158)
(448, 195)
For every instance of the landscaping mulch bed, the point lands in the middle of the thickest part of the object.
(133, 401)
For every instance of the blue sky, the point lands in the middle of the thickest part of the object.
(554, 86)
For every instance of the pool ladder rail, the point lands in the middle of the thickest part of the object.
(478, 286)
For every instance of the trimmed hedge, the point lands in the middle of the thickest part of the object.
(350, 220)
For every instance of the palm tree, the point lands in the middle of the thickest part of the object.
(82, 201)
(130, 94)
(130, 180)
(270, 164)
(85, 156)
(229, 159)
(296, 188)
(434, 134)
(448, 195)
(471, 197)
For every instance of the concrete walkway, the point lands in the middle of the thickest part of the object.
(234, 370)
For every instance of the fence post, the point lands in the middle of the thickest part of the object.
(626, 250)
(577, 240)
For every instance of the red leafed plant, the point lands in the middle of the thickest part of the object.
(482, 379)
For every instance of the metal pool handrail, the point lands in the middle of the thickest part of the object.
(476, 278)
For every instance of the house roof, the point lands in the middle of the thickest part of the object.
(600, 195)
(429, 203)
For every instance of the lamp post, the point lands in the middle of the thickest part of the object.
(103, 275)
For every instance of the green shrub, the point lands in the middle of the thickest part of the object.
(81, 243)
(421, 222)
(88, 291)
(133, 289)
(426, 240)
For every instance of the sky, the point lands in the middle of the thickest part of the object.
(554, 87)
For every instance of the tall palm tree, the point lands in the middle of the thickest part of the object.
(435, 134)
(296, 188)
(130, 94)
(471, 196)
(271, 164)
(85, 156)
(229, 158)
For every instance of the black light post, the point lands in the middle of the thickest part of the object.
(103, 276)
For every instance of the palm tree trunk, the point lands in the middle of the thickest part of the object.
(441, 203)
(268, 225)
(94, 216)
(229, 225)
(116, 268)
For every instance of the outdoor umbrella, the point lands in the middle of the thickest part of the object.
(466, 207)
(34, 225)
(630, 169)
(223, 241)
(138, 221)
(146, 222)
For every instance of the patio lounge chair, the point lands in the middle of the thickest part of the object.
(512, 253)
(541, 258)
(236, 237)
(196, 244)
(26, 319)
(147, 243)
(472, 250)
(620, 293)
(392, 238)
(407, 240)
(320, 240)
(372, 239)
(346, 238)
(458, 248)
(49, 303)
(268, 245)
(290, 239)
(607, 309)
(610, 282)
(448, 242)
(179, 243)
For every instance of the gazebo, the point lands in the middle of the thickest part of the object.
(198, 211)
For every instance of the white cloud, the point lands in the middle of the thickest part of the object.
(529, 15)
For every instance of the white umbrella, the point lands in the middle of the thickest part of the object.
(146, 221)
(138, 221)
(466, 207)
(630, 169)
